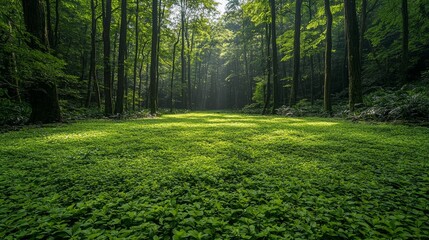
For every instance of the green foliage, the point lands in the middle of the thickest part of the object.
(215, 176)
(254, 108)
(12, 113)
(301, 109)
(258, 94)
(406, 105)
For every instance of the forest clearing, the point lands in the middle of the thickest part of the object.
(214, 119)
(215, 176)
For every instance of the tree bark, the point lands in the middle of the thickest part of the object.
(328, 56)
(362, 29)
(354, 67)
(172, 71)
(92, 79)
(154, 51)
(296, 53)
(43, 94)
(268, 69)
(119, 106)
(136, 54)
(107, 18)
(57, 23)
(49, 22)
(182, 53)
(275, 62)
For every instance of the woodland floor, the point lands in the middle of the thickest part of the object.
(209, 175)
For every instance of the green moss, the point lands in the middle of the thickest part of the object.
(208, 176)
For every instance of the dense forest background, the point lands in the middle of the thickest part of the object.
(63, 59)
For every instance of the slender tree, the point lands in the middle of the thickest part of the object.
(363, 20)
(268, 70)
(153, 59)
(136, 54)
(107, 18)
(275, 61)
(92, 79)
(296, 53)
(119, 106)
(328, 56)
(57, 23)
(173, 67)
(182, 51)
(354, 67)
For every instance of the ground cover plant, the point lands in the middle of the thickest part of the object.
(215, 176)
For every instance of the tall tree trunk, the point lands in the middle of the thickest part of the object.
(189, 94)
(182, 53)
(43, 94)
(146, 100)
(363, 18)
(114, 61)
(153, 58)
(136, 54)
(405, 39)
(268, 87)
(119, 106)
(158, 55)
(107, 18)
(296, 53)
(275, 62)
(49, 22)
(355, 85)
(328, 56)
(172, 71)
(57, 23)
(140, 93)
(92, 80)
(310, 11)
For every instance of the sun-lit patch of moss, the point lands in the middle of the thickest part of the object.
(216, 176)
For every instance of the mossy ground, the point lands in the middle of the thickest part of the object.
(208, 176)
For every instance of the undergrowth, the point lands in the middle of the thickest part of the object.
(215, 176)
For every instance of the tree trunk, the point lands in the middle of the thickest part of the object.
(182, 53)
(43, 95)
(328, 56)
(363, 18)
(92, 79)
(405, 39)
(49, 22)
(275, 62)
(355, 85)
(268, 87)
(57, 23)
(172, 71)
(136, 55)
(107, 18)
(189, 94)
(310, 11)
(154, 51)
(158, 55)
(296, 53)
(119, 106)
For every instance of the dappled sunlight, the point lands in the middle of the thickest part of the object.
(67, 137)
(316, 124)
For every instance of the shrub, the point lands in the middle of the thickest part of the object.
(301, 109)
(11, 112)
(254, 108)
(407, 104)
